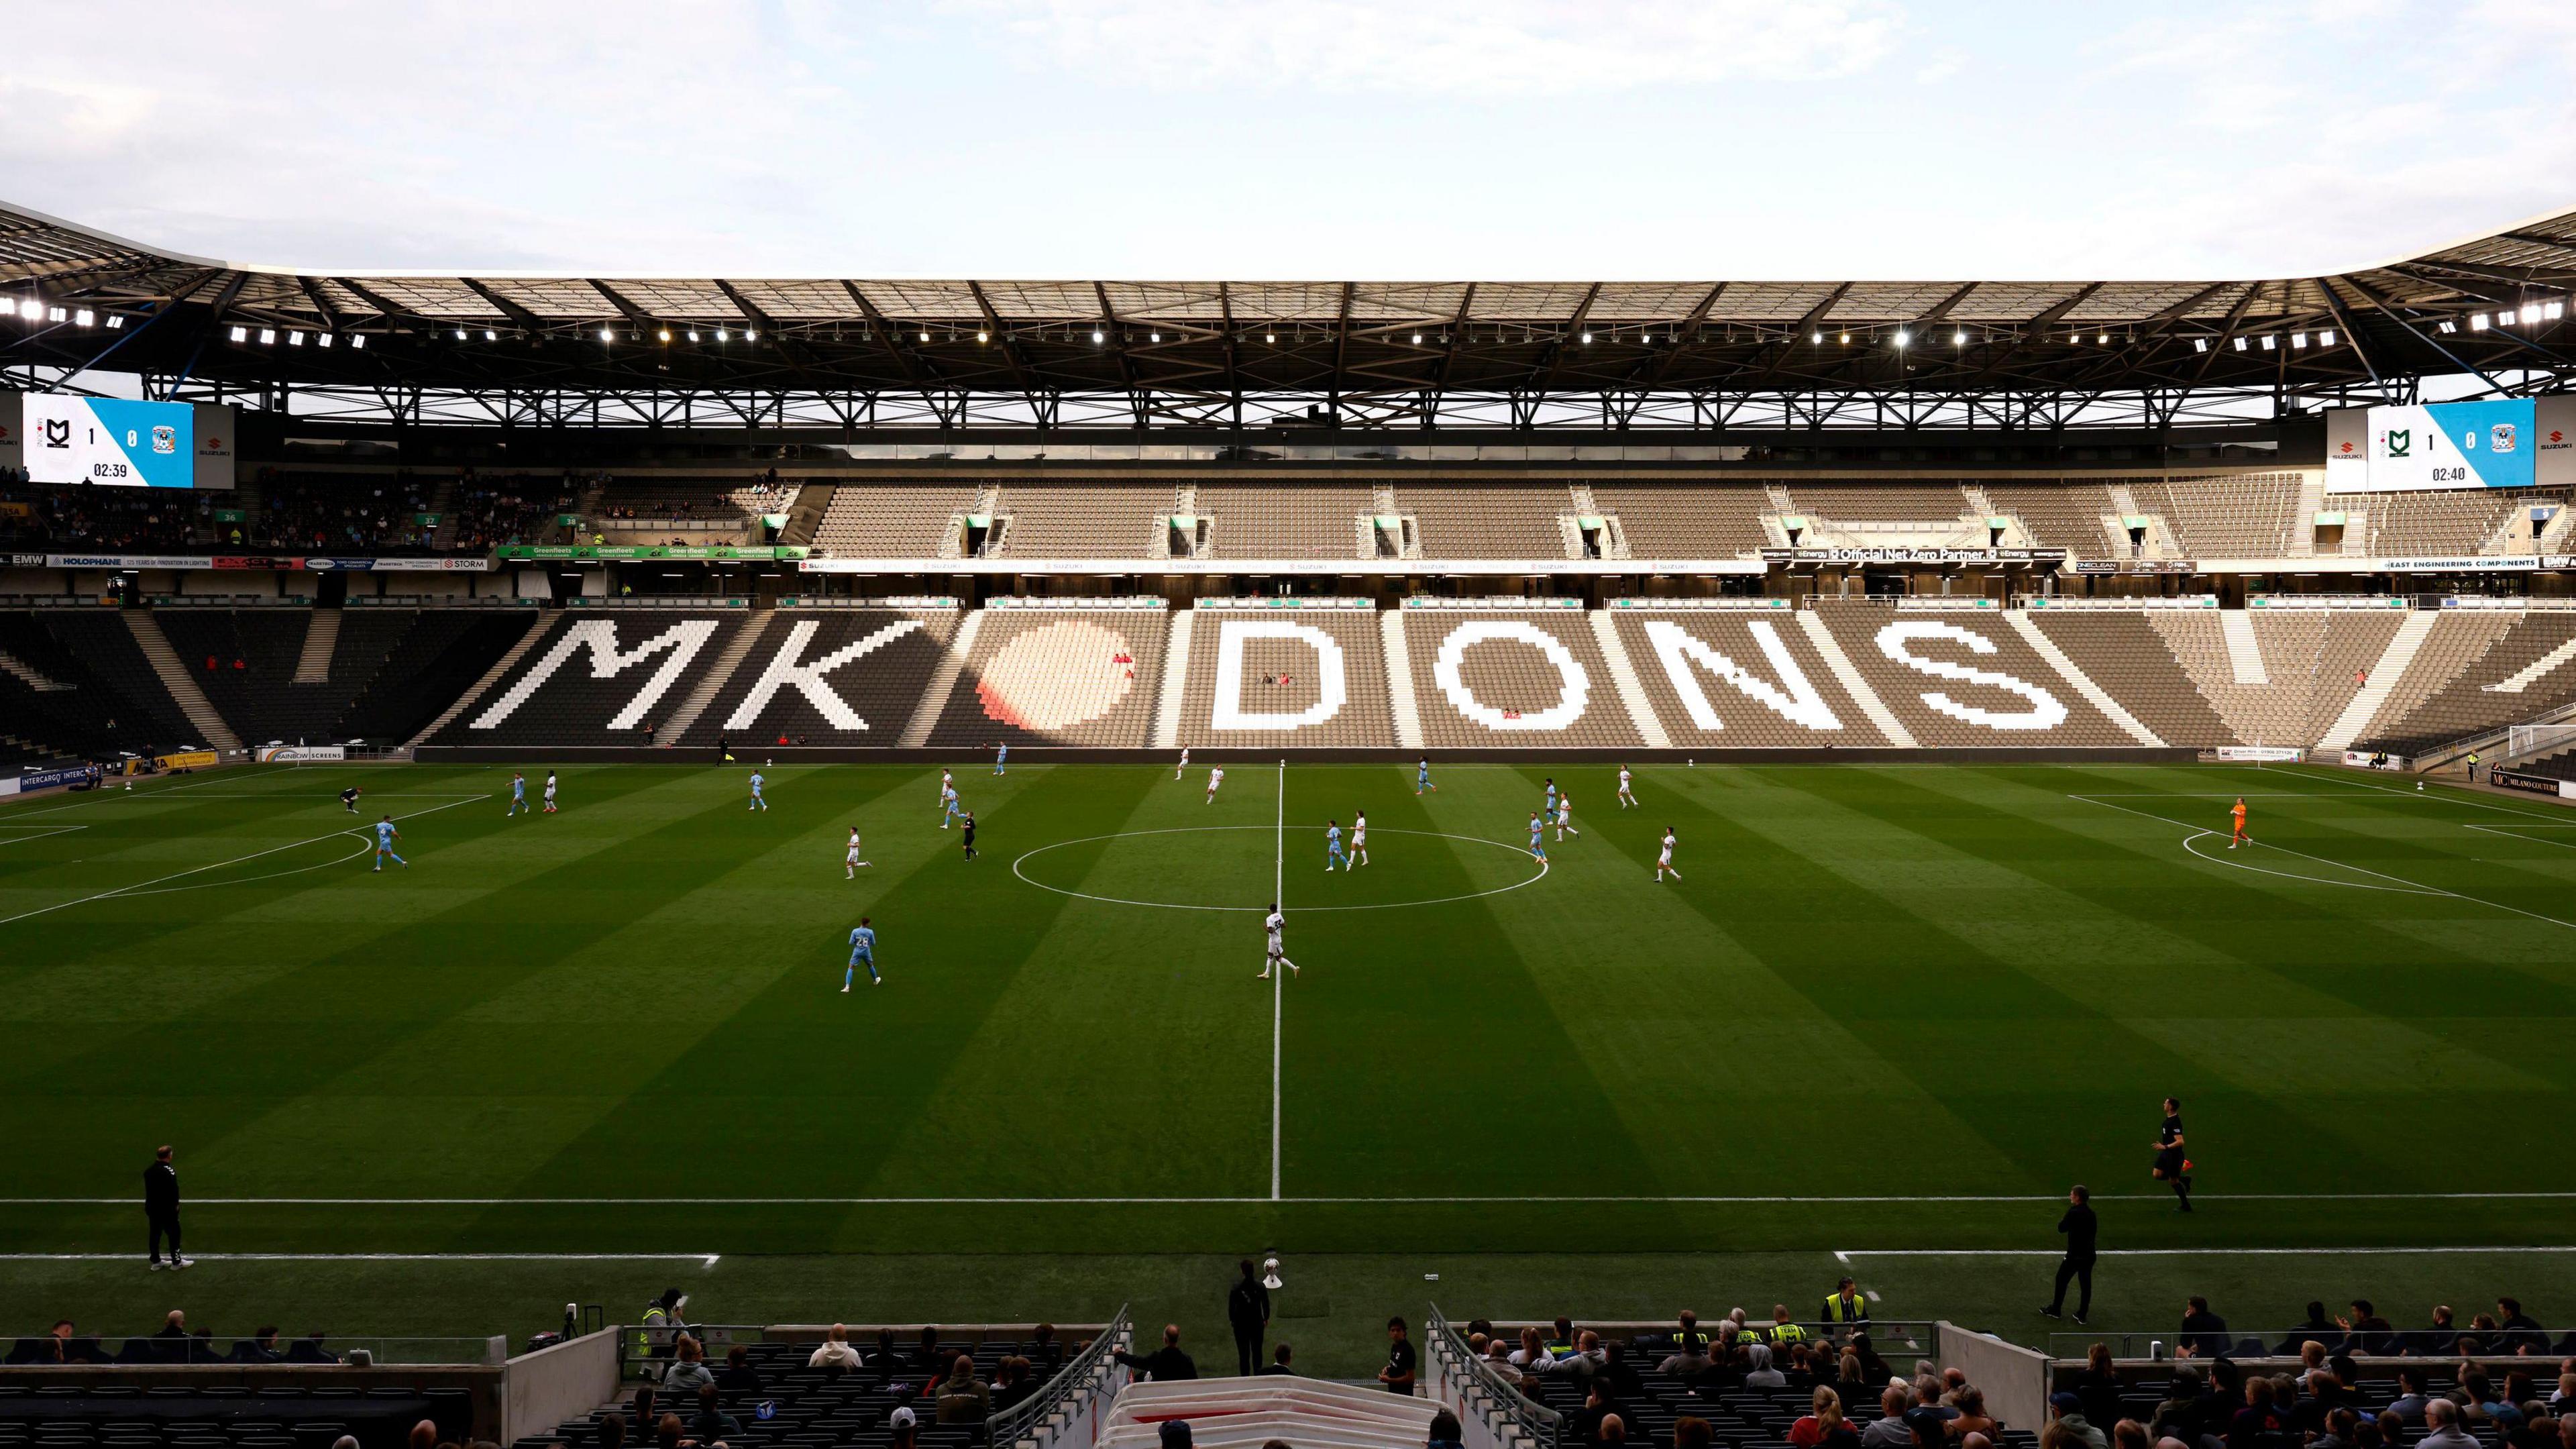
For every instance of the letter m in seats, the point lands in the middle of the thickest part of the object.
(676, 646)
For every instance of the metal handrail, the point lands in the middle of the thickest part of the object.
(1542, 1426)
(1008, 1425)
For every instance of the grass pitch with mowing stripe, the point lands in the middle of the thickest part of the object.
(1874, 985)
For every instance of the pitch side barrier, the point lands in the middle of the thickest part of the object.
(1044, 754)
(2142, 1369)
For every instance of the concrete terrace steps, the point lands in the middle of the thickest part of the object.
(1240, 1413)
(26, 674)
(175, 678)
(1847, 674)
(712, 682)
(2384, 675)
(2244, 652)
(916, 733)
(321, 641)
(501, 666)
(1623, 679)
(2077, 680)
(1176, 673)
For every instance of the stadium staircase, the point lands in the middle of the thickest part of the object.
(2392, 666)
(2077, 680)
(717, 675)
(1889, 726)
(1623, 678)
(536, 630)
(11, 664)
(175, 678)
(442, 502)
(321, 641)
(2303, 531)
(806, 514)
(2244, 651)
(1247, 1413)
(942, 684)
(1399, 680)
(1176, 676)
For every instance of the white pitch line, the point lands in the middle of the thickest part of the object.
(1650, 1199)
(1847, 1254)
(1279, 978)
(2416, 887)
(704, 1259)
(2447, 795)
(139, 887)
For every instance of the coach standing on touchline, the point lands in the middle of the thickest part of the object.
(2081, 1230)
(161, 1207)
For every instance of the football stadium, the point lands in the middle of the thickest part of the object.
(810, 860)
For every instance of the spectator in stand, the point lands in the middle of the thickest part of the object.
(2442, 1426)
(2365, 1331)
(963, 1398)
(2261, 1424)
(1445, 1432)
(905, 1425)
(2129, 1434)
(1282, 1357)
(1011, 1382)
(1583, 1425)
(1689, 1359)
(688, 1372)
(424, 1434)
(1165, 1364)
(2318, 1327)
(1532, 1356)
(1247, 1311)
(1586, 1361)
(1809, 1430)
(2066, 1416)
(2097, 1386)
(712, 1424)
(2204, 1334)
(739, 1380)
(260, 1347)
(835, 1351)
(927, 1360)
(2411, 1398)
(1758, 1372)
(667, 1432)
(2524, 1332)
(612, 1430)
(1888, 1430)
(2441, 1338)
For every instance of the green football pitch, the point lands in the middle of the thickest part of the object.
(1883, 1020)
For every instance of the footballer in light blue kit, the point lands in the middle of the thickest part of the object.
(1422, 776)
(949, 809)
(518, 797)
(1333, 846)
(1548, 810)
(386, 835)
(1002, 758)
(758, 801)
(863, 952)
(1538, 838)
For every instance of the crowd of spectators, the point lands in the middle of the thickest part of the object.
(173, 1342)
(510, 508)
(362, 514)
(2360, 1332)
(80, 517)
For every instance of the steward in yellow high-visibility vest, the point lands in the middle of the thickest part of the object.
(1845, 1305)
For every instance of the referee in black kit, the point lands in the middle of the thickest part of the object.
(161, 1207)
(2081, 1230)
(966, 822)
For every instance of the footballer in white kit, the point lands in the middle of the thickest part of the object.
(1565, 816)
(1216, 777)
(1627, 797)
(550, 792)
(850, 862)
(1276, 925)
(1664, 862)
(1359, 838)
(1183, 767)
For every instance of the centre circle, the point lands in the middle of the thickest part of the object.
(1190, 864)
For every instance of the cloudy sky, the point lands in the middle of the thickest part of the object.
(1196, 138)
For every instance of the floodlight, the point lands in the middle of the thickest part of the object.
(1902, 337)
(116, 323)
(2240, 344)
(1157, 336)
(1846, 339)
(2298, 339)
(2552, 311)
(31, 309)
(294, 339)
(2477, 321)
(693, 334)
(1817, 337)
(358, 343)
(2326, 338)
(1959, 338)
(268, 336)
(241, 334)
(54, 314)
(2270, 342)
(2530, 311)
(491, 336)
(1095, 334)
(665, 334)
(925, 337)
(1587, 339)
(460, 334)
(321, 339)
(85, 317)
(2104, 339)
(720, 334)
(1417, 339)
(2200, 344)
(1266, 336)
(749, 334)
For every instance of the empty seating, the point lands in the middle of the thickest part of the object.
(2448, 521)
(603, 677)
(1291, 678)
(892, 520)
(2064, 515)
(2122, 652)
(1881, 502)
(107, 698)
(1283, 520)
(1083, 520)
(355, 513)
(1512, 677)
(244, 660)
(2459, 638)
(421, 661)
(831, 676)
(1687, 520)
(2245, 515)
(1964, 679)
(1740, 679)
(2529, 669)
(1071, 676)
(1493, 520)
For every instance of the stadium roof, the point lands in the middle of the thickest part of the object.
(1243, 353)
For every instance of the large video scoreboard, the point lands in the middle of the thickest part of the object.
(116, 442)
(2487, 443)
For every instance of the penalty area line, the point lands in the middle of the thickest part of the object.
(707, 1260)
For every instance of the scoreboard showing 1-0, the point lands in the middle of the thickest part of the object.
(111, 442)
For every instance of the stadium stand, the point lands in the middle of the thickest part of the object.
(2246, 515)
(1079, 673)
(1772, 690)
(1507, 520)
(244, 660)
(356, 513)
(1284, 689)
(1962, 694)
(713, 501)
(1083, 520)
(115, 703)
(2523, 673)
(2352, 645)
(1516, 676)
(2459, 638)
(1881, 502)
(898, 520)
(2121, 651)
(598, 677)
(2067, 516)
(81, 518)
(1288, 520)
(831, 676)
(2450, 521)
(428, 657)
(1687, 520)
(510, 508)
